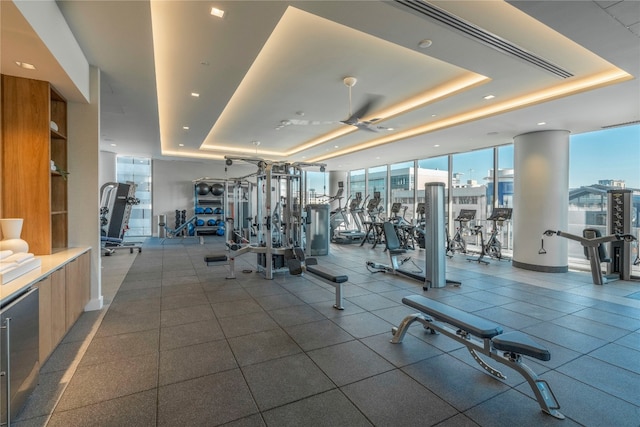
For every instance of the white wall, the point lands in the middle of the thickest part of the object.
(172, 186)
(107, 168)
(83, 189)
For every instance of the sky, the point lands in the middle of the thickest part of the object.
(606, 154)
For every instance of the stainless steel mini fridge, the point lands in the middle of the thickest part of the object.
(19, 345)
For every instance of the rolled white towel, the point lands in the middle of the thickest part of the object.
(5, 254)
(7, 266)
(19, 258)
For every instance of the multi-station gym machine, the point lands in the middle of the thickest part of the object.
(280, 219)
(620, 239)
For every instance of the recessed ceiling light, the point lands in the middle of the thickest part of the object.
(217, 12)
(437, 145)
(489, 96)
(195, 94)
(542, 123)
(180, 145)
(113, 145)
(423, 44)
(185, 127)
(433, 115)
(336, 146)
(25, 65)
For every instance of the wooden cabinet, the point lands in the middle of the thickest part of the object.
(78, 282)
(63, 295)
(58, 306)
(45, 336)
(52, 304)
(30, 189)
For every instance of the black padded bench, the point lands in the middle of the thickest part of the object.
(298, 265)
(222, 258)
(482, 336)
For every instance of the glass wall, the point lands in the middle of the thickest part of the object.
(377, 187)
(357, 183)
(402, 184)
(317, 186)
(593, 171)
(138, 171)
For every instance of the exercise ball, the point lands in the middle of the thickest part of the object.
(200, 222)
(217, 189)
(202, 188)
(211, 222)
(192, 229)
(220, 232)
(208, 211)
(199, 210)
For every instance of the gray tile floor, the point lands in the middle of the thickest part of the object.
(177, 344)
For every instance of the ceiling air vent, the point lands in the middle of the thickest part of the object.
(445, 18)
(635, 122)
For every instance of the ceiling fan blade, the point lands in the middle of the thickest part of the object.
(366, 126)
(371, 102)
(308, 122)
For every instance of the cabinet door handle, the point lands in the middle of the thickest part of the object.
(7, 373)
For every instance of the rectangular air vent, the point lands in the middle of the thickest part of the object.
(452, 21)
(635, 122)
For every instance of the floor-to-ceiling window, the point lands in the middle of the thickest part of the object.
(504, 195)
(357, 183)
(599, 162)
(138, 171)
(471, 175)
(401, 185)
(435, 169)
(317, 186)
(377, 186)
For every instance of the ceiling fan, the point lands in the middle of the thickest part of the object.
(354, 119)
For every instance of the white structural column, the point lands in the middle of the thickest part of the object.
(540, 200)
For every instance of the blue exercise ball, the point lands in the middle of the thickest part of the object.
(211, 222)
(208, 211)
(199, 222)
(220, 232)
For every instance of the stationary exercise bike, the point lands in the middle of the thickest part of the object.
(477, 231)
(493, 246)
(457, 243)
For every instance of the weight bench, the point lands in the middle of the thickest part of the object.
(222, 258)
(469, 329)
(111, 244)
(299, 265)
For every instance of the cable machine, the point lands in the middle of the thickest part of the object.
(280, 218)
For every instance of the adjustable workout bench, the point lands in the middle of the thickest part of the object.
(463, 327)
(299, 265)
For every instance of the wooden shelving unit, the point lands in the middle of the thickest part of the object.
(30, 190)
